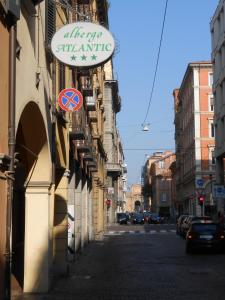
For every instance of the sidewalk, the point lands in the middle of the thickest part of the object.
(86, 271)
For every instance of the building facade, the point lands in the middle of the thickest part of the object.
(146, 178)
(195, 140)
(52, 162)
(4, 151)
(112, 105)
(161, 185)
(217, 27)
(134, 199)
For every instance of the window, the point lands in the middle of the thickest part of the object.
(50, 17)
(212, 160)
(161, 164)
(162, 183)
(61, 76)
(163, 197)
(210, 79)
(211, 103)
(211, 129)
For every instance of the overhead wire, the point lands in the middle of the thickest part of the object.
(157, 63)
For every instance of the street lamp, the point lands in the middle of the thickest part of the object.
(145, 127)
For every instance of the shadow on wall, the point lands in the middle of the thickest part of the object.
(60, 235)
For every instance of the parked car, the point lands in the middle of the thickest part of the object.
(154, 219)
(147, 216)
(205, 235)
(179, 223)
(188, 220)
(138, 218)
(122, 218)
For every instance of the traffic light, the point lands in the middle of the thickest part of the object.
(201, 199)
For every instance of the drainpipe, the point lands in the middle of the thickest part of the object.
(11, 148)
(53, 118)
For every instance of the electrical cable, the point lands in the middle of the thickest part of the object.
(157, 63)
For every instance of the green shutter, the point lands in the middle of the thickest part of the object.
(50, 24)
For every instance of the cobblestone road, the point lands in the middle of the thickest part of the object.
(141, 267)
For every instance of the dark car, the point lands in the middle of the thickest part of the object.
(155, 219)
(205, 235)
(122, 218)
(138, 218)
(190, 219)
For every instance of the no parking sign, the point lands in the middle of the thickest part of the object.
(70, 99)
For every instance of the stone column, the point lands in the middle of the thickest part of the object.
(78, 211)
(84, 231)
(37, 256)
(71, 217)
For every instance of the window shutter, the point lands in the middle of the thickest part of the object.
(50, 16)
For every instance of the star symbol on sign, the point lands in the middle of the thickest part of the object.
(83, 57)
(73, 57)
(93, 57)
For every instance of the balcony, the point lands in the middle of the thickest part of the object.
(92, 166)
(78, 126)
(93, 116)
(90, 103)
(114, 168)
(102, 7)
(115, 94)
(124, 166)
(87, 86)
(87, 157)
(82, 146)
(77, 133)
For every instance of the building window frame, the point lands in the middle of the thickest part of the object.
(212, 158)
(210, 79)
(161, 164)
(211, 129)
(163, 197)
(211, 102)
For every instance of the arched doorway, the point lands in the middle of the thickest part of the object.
(137, 205)
(33, 166)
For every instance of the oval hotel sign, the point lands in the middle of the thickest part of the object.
(83, 44)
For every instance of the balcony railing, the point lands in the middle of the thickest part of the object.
(77, 133)
(78, 125)
(86, 85)
(90, 103)
(93, 116)
(92, 166)
(114, 167)
(83, 146)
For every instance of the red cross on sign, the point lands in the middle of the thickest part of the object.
(70, 99)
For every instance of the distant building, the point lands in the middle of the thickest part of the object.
(134, 199)
(161, 184)
(146, 178)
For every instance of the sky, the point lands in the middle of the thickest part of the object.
(137, 26)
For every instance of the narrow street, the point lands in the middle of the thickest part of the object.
(141, 262)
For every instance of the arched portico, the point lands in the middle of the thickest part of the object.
(137, 205)
(31, 209)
